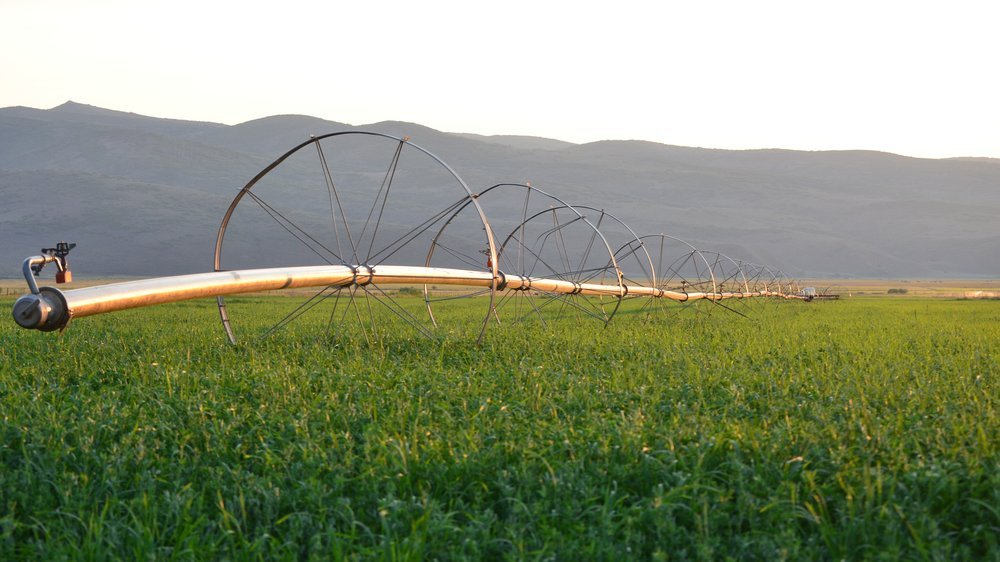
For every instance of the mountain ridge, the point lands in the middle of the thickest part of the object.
(848, 213)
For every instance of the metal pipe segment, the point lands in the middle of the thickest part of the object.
(50, 309)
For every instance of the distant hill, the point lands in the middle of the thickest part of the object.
(144, 195)
(518, 141)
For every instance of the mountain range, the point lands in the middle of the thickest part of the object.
(144, 196)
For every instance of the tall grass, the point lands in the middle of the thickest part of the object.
(864, 429)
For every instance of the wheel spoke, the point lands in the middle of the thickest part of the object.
(384, 188)
(304, 307)
(411, 235)
(292, 228)
(332, 188)
(396, 308)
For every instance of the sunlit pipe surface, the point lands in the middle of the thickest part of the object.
(88, 301)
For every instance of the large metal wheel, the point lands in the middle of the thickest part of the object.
(355, 199)
(757, 278)
(680, 268)
(631, 258)
(538, 236)
(731, 283)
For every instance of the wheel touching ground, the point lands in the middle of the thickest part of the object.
(321, 203)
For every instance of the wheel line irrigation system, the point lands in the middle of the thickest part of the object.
(323, 223)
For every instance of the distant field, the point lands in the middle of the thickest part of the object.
(17, 287)
(946, 288)
(860, 428)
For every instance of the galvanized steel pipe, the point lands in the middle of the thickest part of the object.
(51, 309)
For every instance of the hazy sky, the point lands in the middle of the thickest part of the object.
(911, 77)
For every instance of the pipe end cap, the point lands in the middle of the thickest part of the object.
(45, 311)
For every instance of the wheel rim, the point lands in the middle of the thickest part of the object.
(539, 235)
(353, 198)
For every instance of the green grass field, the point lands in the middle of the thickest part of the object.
(857, 429)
